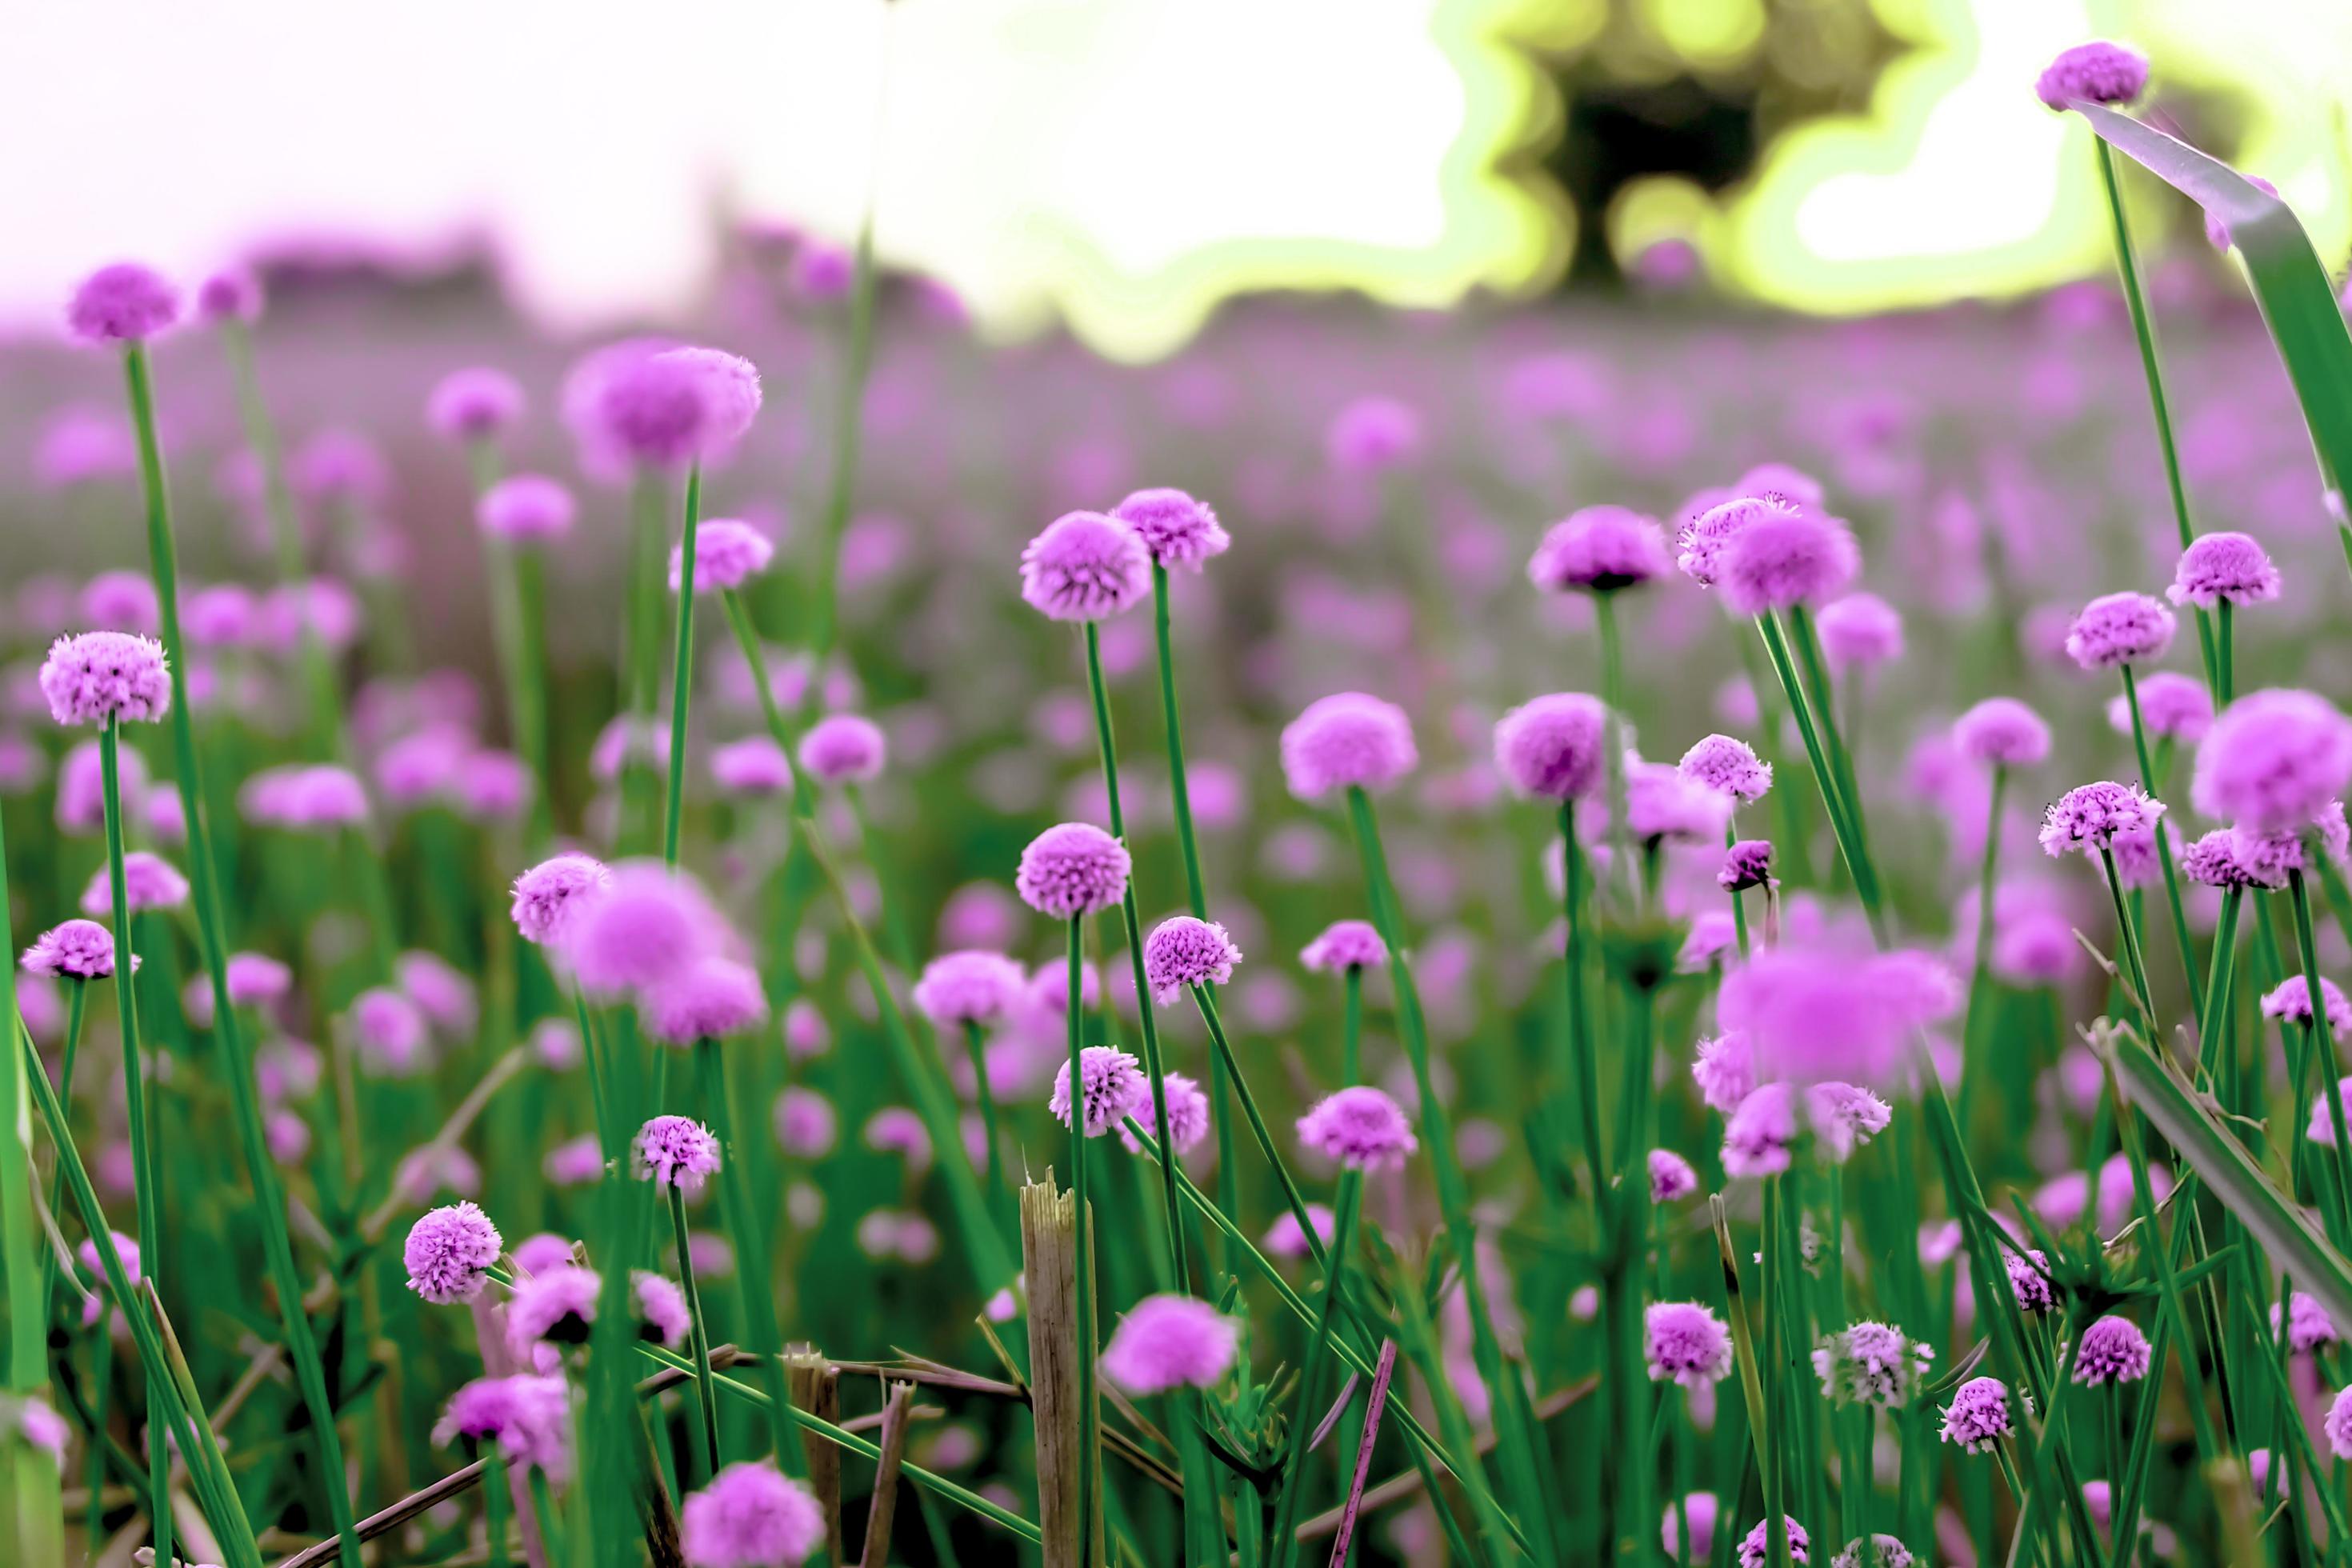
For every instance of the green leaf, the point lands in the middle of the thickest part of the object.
(2245, 1189)
(2288, 281)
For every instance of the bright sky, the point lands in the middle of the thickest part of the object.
(1124, 161)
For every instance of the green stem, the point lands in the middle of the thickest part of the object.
(1850, 846)
(681, 689)
(1090, 1415)
(753, 1265)
(134, 1066)
(699, 1339)
(30, 1504)
(1581, 1064)
(1266, 1144)
(2323, 1027)
(849, 430)
(987, 1098)
(1307, 1410)
(1613, 696)
(2127, 934)
(2150, 781)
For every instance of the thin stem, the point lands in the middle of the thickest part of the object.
(1089, 1416)
(2150, 780)
(1581, 1064)
(1351, 1027)
(134, 1066)
(1265, 1143)
(1849, 847)
(700, 1338)
(681, 689)
(753, 1265)
(978, 1046)
(2127, 929)
(2323, 1028)
(34, 1512)
(1612, 695)
(1306, 1411)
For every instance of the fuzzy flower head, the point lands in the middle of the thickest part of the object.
(1783, 559)
(1728, 766)
(1344, 945)
(1723, 1068)
(1360, 1127)
(2308, 1325)
(2002, 733)
(1085, 566)
(1600, 549)
(973, 986)
(125, 302)
(2099, 72)
(1168, 1342)
(1346, 741)
(676, 1151)
(1686, 1343)
(751, 1516)
(727, 554)
(2339, 1425)
(1553, 747)
(550, 897)
(76, 950)
(2224, 569)
(527, 1415)
(450, 1253)
(1662, 803)
(1373, 434)
(2113, 1350)
(2273, 760)
(1746, 864)
(1977, 1416)
(2290, 1002)
(91, 677)
(1184, 951)
(526, 509)
(555, 1306)
(651, 924)
(1671, 1178)
(2090, 817)
(1188, 1115)
(1113, 1086)
(149, 883)
(707, 999)
(2120, 629)
(1072, 868)
(2029, 1281)
(1755, 1546)
(1872, 1364)
(2172, 707)
(1700, 544)
(1859, 630)
(651, 409)
(255, 979)
(1814, 1014)
(731, 393)
(1177, 529)
(1760, 1132)
(754, 765)
(844, 748)
(474, 405)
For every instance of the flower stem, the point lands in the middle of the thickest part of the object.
(987, 1099)
(1089, 1416)
(1980, 973)
(681, 689)
(1581, 1064)
(753, 1265)
(2323, 1029)
(700, 1340)
(1308, 1409)
(2149, 780)
(32, 1505)
(134, 1066)
(1266, 1145)
(2127, 934)
(848, 431)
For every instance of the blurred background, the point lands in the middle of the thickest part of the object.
(1122, 166)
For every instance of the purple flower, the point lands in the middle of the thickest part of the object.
(450, 1253)
(2223, 568)
(97, 676)
(1176, 529)
(256, 978)
(149, 883)
(1373, 434)
(2290, 1002)
(652, 409)
(730, 390)
(2273, 760)
(1360, 1127)
(2002, 733)
(1551, 748)
(1671, 1176)
(1724, 1069)
(663, 1316)
(1072, 868)
(2120, 629)
(2090, 817)
(727, 554)
(527, 1415)
(1185, 952)
(1701, 542)
(1785, 559)
(527, 509)
(1343, 945)
(390, 1032)
(1685, 1342)
(750, 1516)
(1701, 1508)
(1755, 1546)
(1188, 1115)
(650, 924)
(1759, 1133)
(843, 748)
(1600, 549)
(1977, 1416)
(707, 999)
(555, 1306)
(1727, 765)
(1284, 1239)
(474, 404)
(1347, 741)
(1112, 1085)
(2308, 1325)
(2171, 706)
(232, 294)
(755, 765)
(1168, 1342)
(1858, 629)
(1746, 864)
(676, 1151)
(1085, 566)
(1662, 803)
(2113, 1350)
(124, 600)
(1871, 1363)
(2339, 1425)
(551, 896)
(2028, 1280)
(76, 949)
(1815, 1013)
(806, 1125)
(973, 986)
(2100, 71)
(125, 302)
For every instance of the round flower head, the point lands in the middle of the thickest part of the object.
(1724, 1069)
(527, 1415)
(655, 410)
(751, 766)
(2339, 1425)
(2272, 761)
(553, 1306)
(730, 390)
(255, 979)
(1977, 1416)
(651, 924)
(1700, 543)
(2120, 629)
(550, 897)
(843, 748)
(707, 999)
(2308, 1325)
(676, 1151)
(974, 986)
(76, 949)
(1858, 629)
(1727, 765)
(1185, 952)
(2028, 1280)
(2214, 862)
(1373, 434)
(1746, 864)
(1551, 747)
(806, 1123)
(2171, 706)
(1343, 945)
(2089, 817)
(1880, 1551)
(1759, 1132)
(1785, 559)
(149, 883)
(663, 1316)
(529, 509)
(391, 1032)
(1085, 566)
(1685, 1342)
(1346, 741)
(2223, 568)
(1168, 1342)
(750, 1516)
(473, 404)
(2099, 72)
(1671, 1176)
(450, 1253)
(2002, 733)
(1755, 1546)
(1072, 868)
(1663, 804)
(2291, 1002)
(727, 554)
(1188, 1115)
(1285, 1239)
(1360, 1127)
(2113, 1350)
(1600, 549)
(1114, 1089)
(1702, 1509)
(1176, 529)
(125, 302)
(124, 600)
(1815, 1013)
(97, 676)
(1871, 1363)
(232, 294)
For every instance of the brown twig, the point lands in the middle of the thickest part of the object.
(880, 1511)
(814, 1384)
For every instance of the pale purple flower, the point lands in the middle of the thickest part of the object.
(750, 1516)
(2090, 817)
(727, 554)
(1723, 1068)
(2223, 568)
(124, 302)
(1685, 1342)
(755, 765)
(2171, 707)
(1702, 1509)
(1113, 1087)
(650, 924)
(527, 1415)
(1858, 630)
(1188, 1115)
(1347, 741)
(1360, 1127)
(2290, 1002)
(474, 404)
(1168, 1342)
(1816, 1014)
(1759, 1135)
(76, 950)
(1552, 747)
(676, 1151)
(1600, 549)
(1071, 869)
(1755, 1546)
(1746, 864)
(2001, 732)
(555, 1306)
(526, 509)
(708, 998)
(2339, 1425)
(93, 677)
(450, 1253)
(2273, 760)
(1671, 1176)
(551, 896)
(844, 748)
(1184, 951)
(1872, 1364)
(2120, 629)
(255, 979)
(2113, 1350)
(2308, 1325)
(2028, 1280)
(1176, 529)
(149, 883)
(1977, 1416)
(1344, 945)
(1784, 560)
(2099, 72)
(806, 1124)
(973, 986)
(1727, 765)
(1085, 566)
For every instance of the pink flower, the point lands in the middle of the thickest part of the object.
(1170, 1341)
